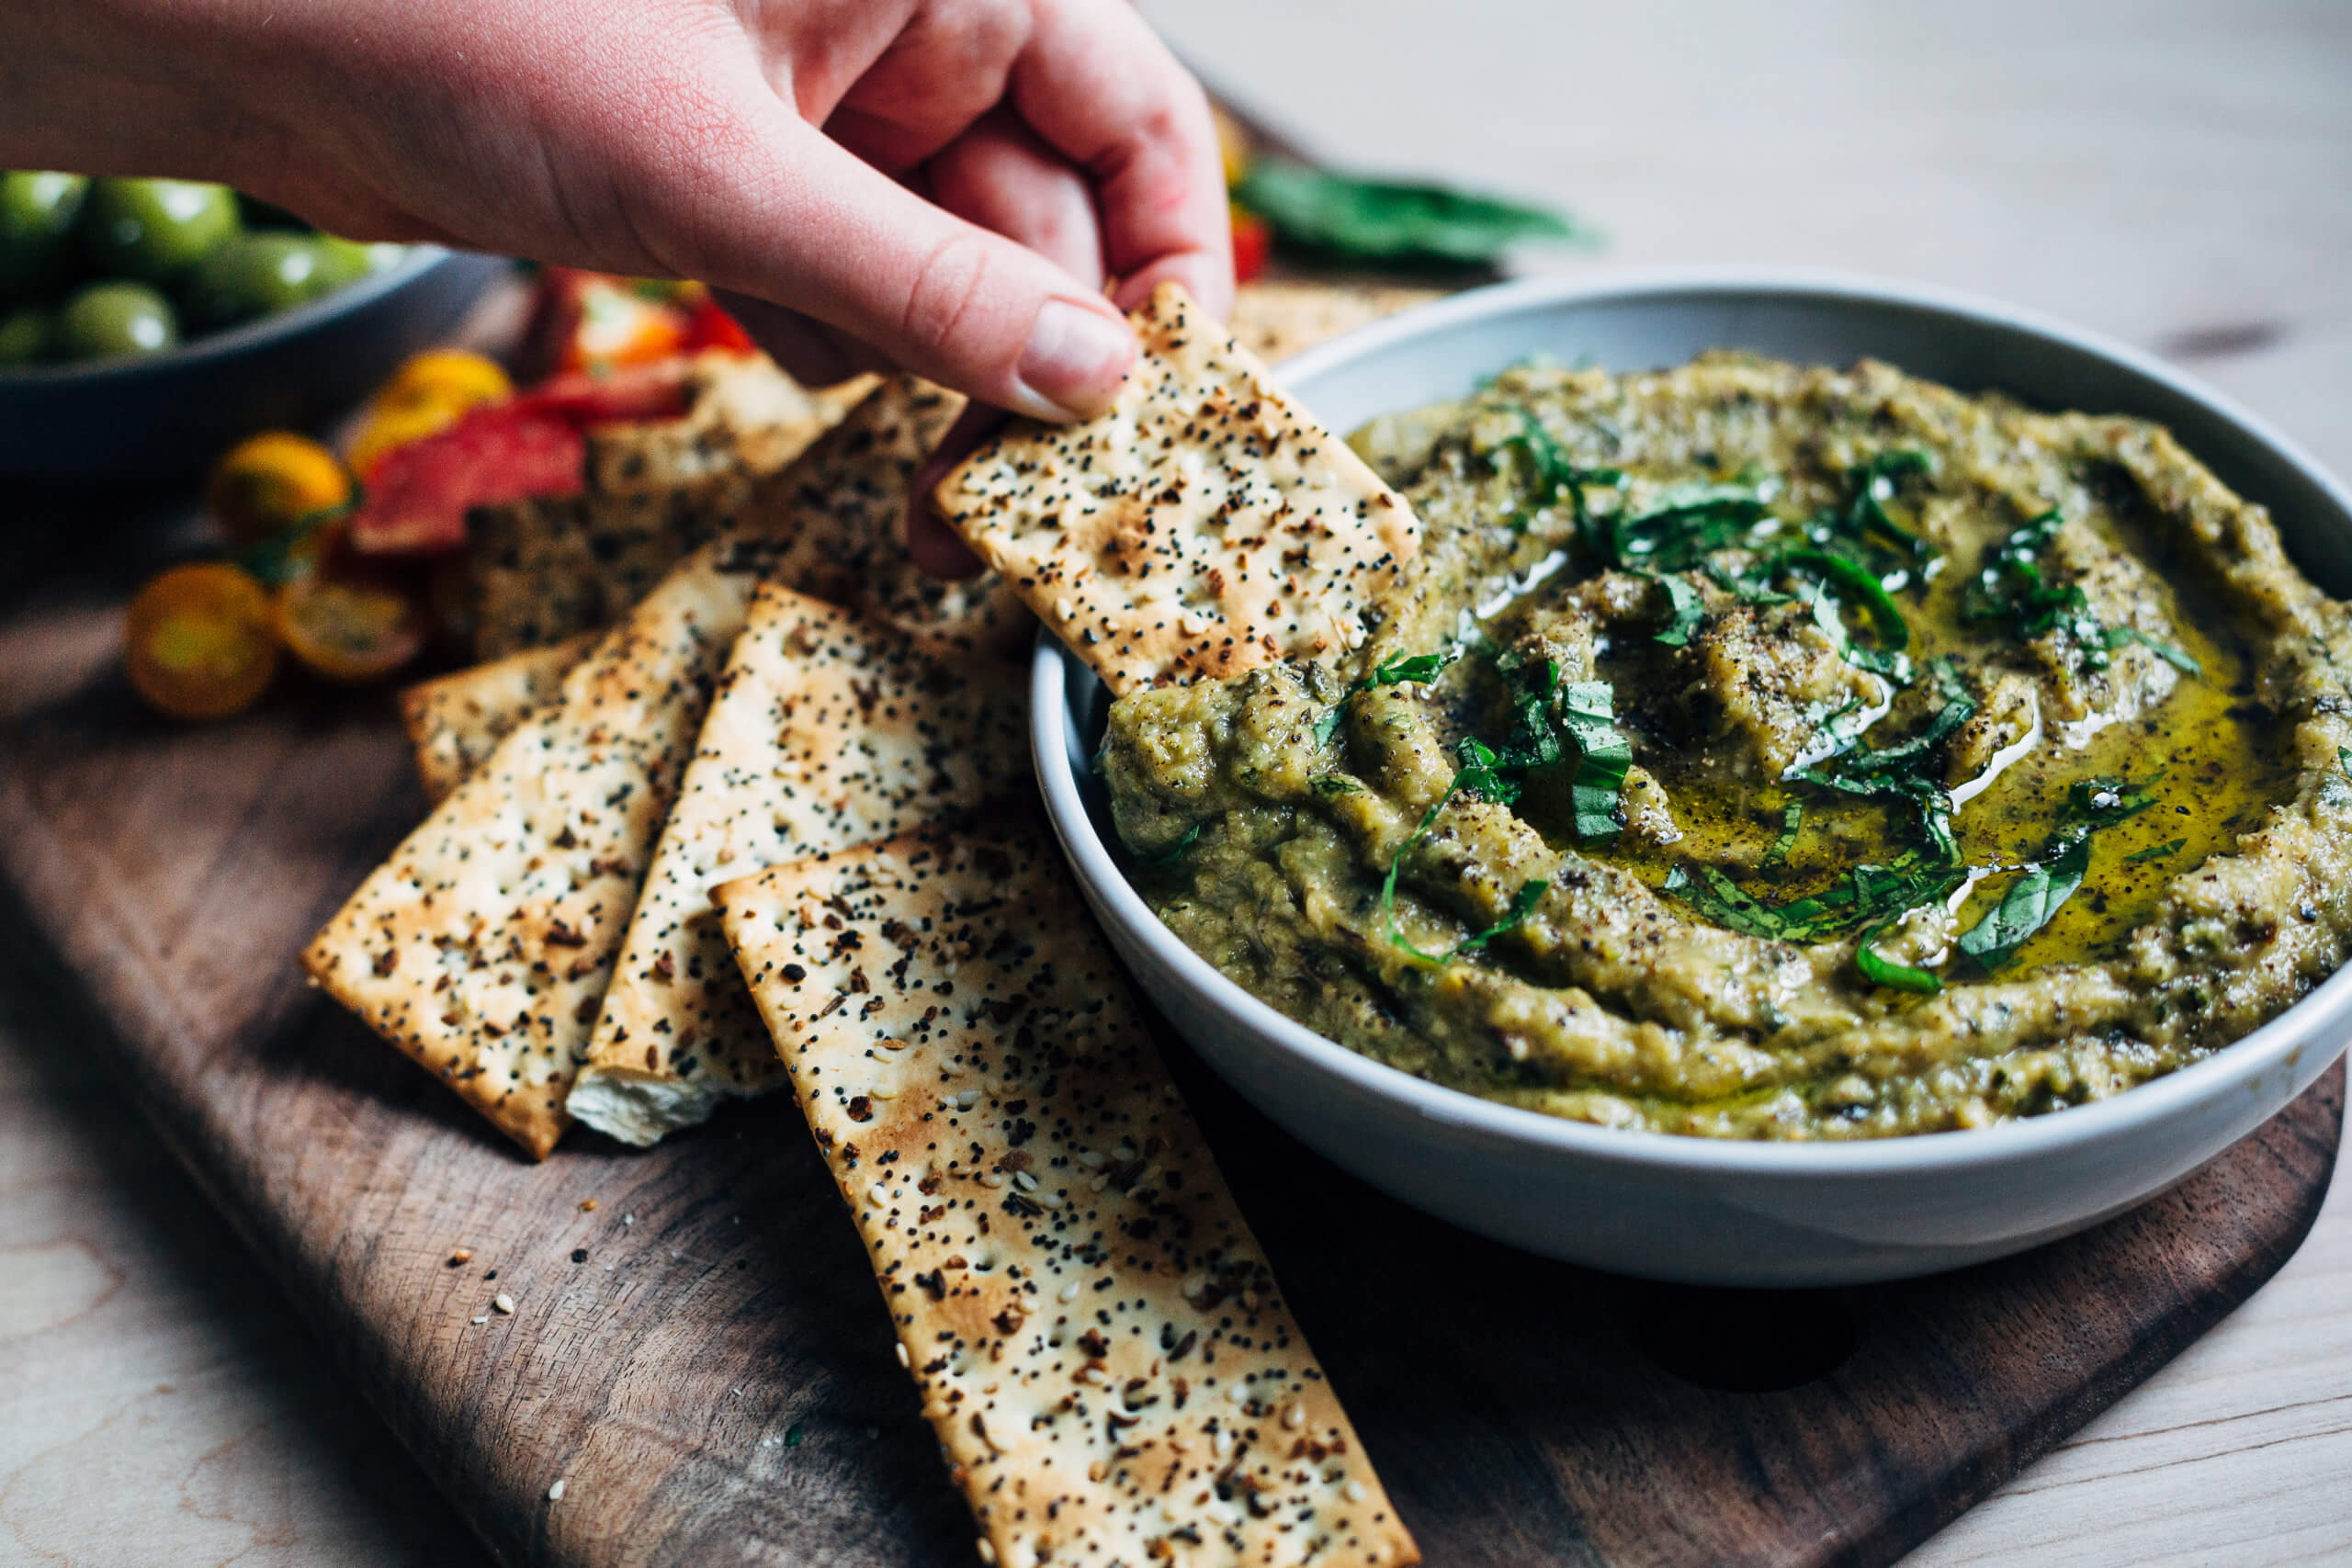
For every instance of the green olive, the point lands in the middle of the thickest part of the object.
(24, 335)
(364, 259)
(156, 230)
(259, 275)
(109, 320)
(37, 212)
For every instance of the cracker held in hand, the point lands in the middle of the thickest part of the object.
(827, 731)
(1099, 1345)
(455, 721)
(482, 947)
(1203, 526)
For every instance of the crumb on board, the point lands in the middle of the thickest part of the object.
(481, 1318)
(587, 1205)
(555, 1493)
(503, 1303)
(463, 1255)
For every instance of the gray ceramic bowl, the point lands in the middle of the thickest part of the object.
(166, 415)
(1688, 1209)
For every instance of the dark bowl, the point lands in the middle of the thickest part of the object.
(167, 415)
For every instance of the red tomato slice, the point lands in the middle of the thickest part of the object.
(417, 501)
(710, 327)
(637, 392)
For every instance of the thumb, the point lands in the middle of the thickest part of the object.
(831, 237)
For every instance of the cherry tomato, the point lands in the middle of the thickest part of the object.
(620, 325)
(433, 391)
(446, 375)
(1251, 240)
(270, 483)
(348, 623)
(200, 642)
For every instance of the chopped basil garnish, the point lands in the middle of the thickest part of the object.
(2030, 902)
(1684, 610)
(1329, 784)
(1394, 670)
(2179, 659)
(1881, 970)
(1792, 825)
(1588, 713)
(1553, 477)
(2156, 852)
(1522, 905)
(2033, 900)
(1869, 896)
(1173, 852)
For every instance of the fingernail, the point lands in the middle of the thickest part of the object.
(1073, 363)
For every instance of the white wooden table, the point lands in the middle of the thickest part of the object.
(2176, 174)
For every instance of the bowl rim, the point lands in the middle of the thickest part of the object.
(231, 341)
(2072, 1129)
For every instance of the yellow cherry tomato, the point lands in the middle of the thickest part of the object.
(425, 396)
(385, 428)
(200, 641)
(349, 626)
(267, 484)
(446, 376)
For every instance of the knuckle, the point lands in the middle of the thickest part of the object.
(949, 294)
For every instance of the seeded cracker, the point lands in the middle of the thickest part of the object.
(1276, 320)
(827, 732)
(482, 947)
(848, 548)
(455, 721)
(1100, 1345)
(544, 569)
(1203, 526)
(843, 524)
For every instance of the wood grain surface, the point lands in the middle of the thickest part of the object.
(696, 1351)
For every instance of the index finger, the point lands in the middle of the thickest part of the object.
(1098, 86)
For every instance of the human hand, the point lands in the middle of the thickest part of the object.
(934, 183)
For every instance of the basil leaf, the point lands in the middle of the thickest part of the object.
(1553, 477)
(1880, 970)
(2030, 902)
(2157, 852)
(1389, 220)
(1721, 902)
(2179, 659)
(1330, 785)
(1675, 535)
(2344, 759)
(1874, 482)
(1421, 667)
(1522, 905)
(1169, 856)
(1482, 772)
(1792, 825)
(1685, 610)
(1329, 725)
(1588, 713)
(2011, 587)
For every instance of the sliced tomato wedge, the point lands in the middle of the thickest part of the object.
(349, 625)
(417, 501)
(639, 393)
(1251, 242)
(707, 326)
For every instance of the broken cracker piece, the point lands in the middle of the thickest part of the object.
(1098, 1343)
(827, 731)
(455, 721)
(1203, 526)
(482, 946)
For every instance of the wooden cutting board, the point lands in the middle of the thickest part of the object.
(698, 1354)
